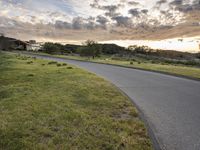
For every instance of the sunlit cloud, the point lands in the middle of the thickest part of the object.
(116, 19)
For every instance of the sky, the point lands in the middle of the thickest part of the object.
(101, 20)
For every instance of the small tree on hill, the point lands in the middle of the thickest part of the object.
(52, 48)
(91, 48)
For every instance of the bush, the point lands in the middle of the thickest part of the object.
(29, 62)
(52, 62)
(69, 68)
(30, 75)
(131, 63)
(133, 59)
(24, 58)
(64, 64)
(58, 65)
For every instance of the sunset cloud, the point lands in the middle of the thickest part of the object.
(59, 17)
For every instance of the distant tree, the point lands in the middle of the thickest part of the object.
(198, 55)
(2, 34)
(132, 47)
(53, 48)
(90, 48)
(112, 49)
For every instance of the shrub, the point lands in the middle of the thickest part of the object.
(58, 65)
(64, 64)
(29, 62)
(133, 59)
(24, 58)
(131, 63)
(30, 75)
(69, 68)
(52, 62)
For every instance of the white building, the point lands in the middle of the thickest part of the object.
(33, 46)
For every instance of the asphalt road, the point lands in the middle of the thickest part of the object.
(170, 105)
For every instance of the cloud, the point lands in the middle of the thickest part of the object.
(134, 12)
(123, 21)
(160, 2)
(133, 3)
(177, 2)
(102, 21)
(77, 23)
(144, 11)
(63, 25)
(186, 6)
(70, 16)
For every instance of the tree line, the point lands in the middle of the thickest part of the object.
(93, 49)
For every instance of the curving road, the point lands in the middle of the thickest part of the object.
(170, 105)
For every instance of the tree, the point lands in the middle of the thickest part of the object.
(2, 35)
(53, 48)
(90, 48)
(132, 47)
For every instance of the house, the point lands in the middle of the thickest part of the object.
(7, 43)
(32, 45)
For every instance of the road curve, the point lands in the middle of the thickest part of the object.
(170, 105)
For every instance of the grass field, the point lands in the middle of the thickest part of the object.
(176, 69)
(50, 105)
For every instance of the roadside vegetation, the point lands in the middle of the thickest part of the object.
(52, 105)
(142, 57)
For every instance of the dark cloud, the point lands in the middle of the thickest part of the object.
(63, 25)
(179, 5)
(196, 4)
(110, 10)
(168, 16)
(134, 12)
(90, 25)
(160, 2)
(177, 2)
(77, 23)
(133, 3)
(185, 8)
(145, 11)
(123, 21)
(102, 20)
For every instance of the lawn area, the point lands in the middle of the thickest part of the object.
(51, 105)
(176, 69)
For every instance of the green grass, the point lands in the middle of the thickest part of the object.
(176, 69)
(188, 71)
(48, 106)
